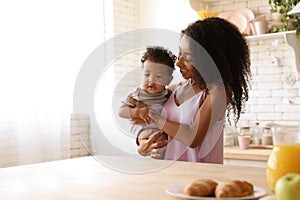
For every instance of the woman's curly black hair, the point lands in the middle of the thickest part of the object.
(160, 55)
(230, 53)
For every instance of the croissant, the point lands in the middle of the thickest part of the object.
(201, 187)
(234, 189)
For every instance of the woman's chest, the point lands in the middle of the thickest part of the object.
(186, 93)
(185, 112)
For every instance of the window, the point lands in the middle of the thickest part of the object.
(43, 45)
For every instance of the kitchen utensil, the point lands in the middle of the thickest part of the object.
(249, 15)
(239, 20)
(259, 27)
(244, 141)
(270, 197)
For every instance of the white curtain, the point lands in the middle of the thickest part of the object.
(43, 44)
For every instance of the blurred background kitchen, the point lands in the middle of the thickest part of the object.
(45, 44)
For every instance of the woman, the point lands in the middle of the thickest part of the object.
(214, 61)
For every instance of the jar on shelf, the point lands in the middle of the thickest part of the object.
(230, 136)
(245, 130)
(267, 136)
(257, 132)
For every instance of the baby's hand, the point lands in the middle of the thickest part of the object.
(137, 104)
(143, 113)
(142, 117)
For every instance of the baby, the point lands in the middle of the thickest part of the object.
(158, 65)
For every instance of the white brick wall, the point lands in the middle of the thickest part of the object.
(272, 98)
(8, 147)
(79, 135)
(126, 18)
(13, 151)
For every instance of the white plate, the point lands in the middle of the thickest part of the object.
(239, 20)
(272, 197)
(249, 15)
(177, 191)
(247, 12)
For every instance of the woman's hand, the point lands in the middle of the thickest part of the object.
(151, 147)
(137, 121)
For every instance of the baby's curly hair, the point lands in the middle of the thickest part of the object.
(160, 55)
(230, 53)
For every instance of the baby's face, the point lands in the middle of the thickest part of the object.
(155, 77)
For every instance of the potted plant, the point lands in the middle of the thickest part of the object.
(282, 7)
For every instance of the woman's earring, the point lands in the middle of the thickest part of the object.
(191, 81)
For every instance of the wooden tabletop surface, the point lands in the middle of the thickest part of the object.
(89, 178)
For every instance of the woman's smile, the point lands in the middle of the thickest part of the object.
(183, 71)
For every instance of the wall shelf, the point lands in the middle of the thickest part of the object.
(289, 37)
(269, 35)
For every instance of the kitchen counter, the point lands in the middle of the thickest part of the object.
(89, 178)
(255, 156)
(254, 153)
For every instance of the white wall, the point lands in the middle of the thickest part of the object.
(167, 14)
(43, 46)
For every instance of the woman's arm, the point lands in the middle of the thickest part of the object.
(212, 110)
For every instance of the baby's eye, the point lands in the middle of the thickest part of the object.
(146, 75)
(159, 76)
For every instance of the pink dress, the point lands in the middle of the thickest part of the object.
(211, 149)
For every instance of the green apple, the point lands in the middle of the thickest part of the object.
(287, 187)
